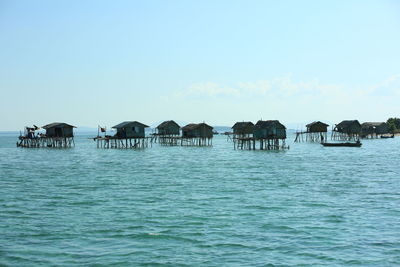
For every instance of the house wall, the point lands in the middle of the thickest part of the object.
(382, 129)
(353, 129)
(205, 131)
(50, 132)
(366, 130)
(260, 133)
(280, 133)
(169, 130)
(242, 131)
(201, 131)
(316, 128)
(60, 132)
(68, 132)
(186, 133)
(131, 132)
(265, 133)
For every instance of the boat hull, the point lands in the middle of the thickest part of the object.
(342, 144)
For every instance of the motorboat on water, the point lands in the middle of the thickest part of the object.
(345, 144)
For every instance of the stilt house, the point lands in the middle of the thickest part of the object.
(243, 129)
(130, 129)
(58, 135)
(270, 135)
(271, 129)
(59, 129)
(316, 132)
(371, 129)
(317, 127)
(349, 127)
(168, 128)
(201, 130)
(347, 130)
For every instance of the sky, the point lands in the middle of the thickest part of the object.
(92, 63)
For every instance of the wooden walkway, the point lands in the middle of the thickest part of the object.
(251, 143)
(117, 142)
(44, 141)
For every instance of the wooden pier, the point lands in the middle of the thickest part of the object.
(251, 143)
(166, 140)
(183, 141)
(196, 141)
(117, 142)
(311, 137)
(339, 136)
(50, 142)
(316, 132)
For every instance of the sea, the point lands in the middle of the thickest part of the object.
(200, 206)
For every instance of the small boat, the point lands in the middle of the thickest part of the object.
(346, 144)
(385, 136)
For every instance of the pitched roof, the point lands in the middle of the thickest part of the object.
(269, 124)
(316, 122)
(372, 124)
(130, 124)
(165, 124)
(190, 126)
(347, 123)
(242, 124)
(57, 125)
(193, 126)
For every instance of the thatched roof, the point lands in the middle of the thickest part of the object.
(347, 123)
(372, 124)
(129, 124)
(58, 125)
(244, 124)
(166, 124)
(193, 126)
(269, 124)
(315, 123)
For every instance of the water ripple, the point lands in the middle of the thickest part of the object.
(178, 206)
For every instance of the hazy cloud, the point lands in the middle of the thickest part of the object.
(290, 100)
(209, 89)
(287, 87)
(389, 87)
(278, 87)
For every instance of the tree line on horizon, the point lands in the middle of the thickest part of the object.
(394, 124)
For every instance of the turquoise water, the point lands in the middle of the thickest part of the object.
(200, 206)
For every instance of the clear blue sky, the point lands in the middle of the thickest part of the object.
(103, 62)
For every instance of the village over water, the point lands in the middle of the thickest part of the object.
(263, 135)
